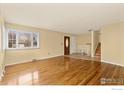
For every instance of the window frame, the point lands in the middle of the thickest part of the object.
(17, 39)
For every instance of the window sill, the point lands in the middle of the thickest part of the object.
(14, 49)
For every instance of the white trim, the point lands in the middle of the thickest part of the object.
(2, 72)
(113, 63)
(27, 61)
(73, 44)
(92, 43)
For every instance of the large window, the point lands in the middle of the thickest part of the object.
(22, 40)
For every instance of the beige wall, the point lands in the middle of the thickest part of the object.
(122, 42)
(84, 39)
(2, 51)
(112, 39)
(51, 44)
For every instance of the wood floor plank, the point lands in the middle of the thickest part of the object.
(63, 70)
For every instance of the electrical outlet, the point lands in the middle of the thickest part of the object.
(48, 53)
(33, 60)
(61, 43)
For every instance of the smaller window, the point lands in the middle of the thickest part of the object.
(12, 39)
(35, 39)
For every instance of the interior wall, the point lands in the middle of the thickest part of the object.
(51, 44)
(100, 36)
(122, 42)
(112, 40)
(1, 39)
(2, 50)
(84, 42)
(73, 44)
(83, 39)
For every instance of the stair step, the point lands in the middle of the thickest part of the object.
(98, 50)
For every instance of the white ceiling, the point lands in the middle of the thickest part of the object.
(69, 18)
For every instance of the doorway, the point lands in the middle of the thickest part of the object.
(66, 45)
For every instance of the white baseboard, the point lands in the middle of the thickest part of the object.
(26, 61)
(113, 63)
(49, 57)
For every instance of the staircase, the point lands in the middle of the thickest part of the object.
(98, 50)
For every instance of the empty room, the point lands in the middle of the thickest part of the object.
(62, 44)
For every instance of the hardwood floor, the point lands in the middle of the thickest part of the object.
(63, 71)
(79, 56)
